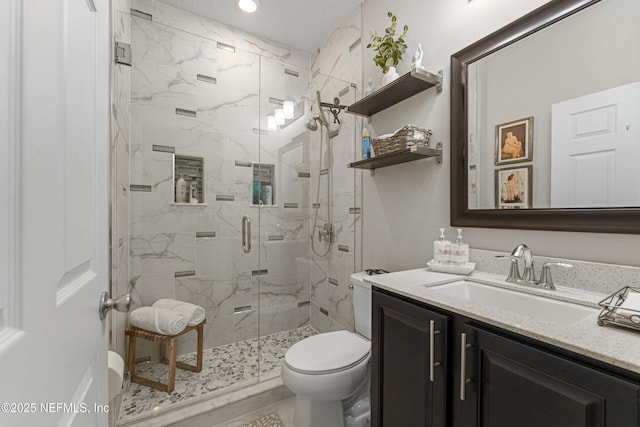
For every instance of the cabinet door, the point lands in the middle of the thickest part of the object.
(513, 384)
(408, 364)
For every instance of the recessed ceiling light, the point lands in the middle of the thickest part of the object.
(248, 6)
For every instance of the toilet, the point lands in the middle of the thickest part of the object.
(329, 372)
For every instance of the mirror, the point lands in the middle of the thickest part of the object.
(523, 99)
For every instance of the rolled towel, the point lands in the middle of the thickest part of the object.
(160, 320)
(194, 313)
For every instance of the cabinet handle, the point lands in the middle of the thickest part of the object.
(463, 365)
(246, 234)
(432, 363)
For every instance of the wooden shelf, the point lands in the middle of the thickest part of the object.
(405, 86)
(401, 156)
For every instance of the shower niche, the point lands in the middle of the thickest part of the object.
(191, 191)
(264, 186)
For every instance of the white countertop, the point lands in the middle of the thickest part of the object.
(611, 344)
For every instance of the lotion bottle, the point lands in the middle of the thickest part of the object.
(441, 249)
(459, 250)
(181, 190)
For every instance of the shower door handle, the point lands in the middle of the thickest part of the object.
(246, 234)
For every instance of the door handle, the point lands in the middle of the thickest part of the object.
(463, 365)
(432, 363)
(122, 303)
(246, 234)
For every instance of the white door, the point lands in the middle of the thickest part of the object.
(54, 142)
(595, 149)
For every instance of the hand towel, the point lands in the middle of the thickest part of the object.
(194, 313)
(630, 307)
(156, 319)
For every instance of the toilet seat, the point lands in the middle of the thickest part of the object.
(327, 353)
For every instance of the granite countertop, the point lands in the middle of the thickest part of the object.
(610, 344)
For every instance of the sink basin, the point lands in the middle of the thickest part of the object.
(535, 306)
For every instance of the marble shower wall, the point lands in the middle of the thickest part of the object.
(337, 73)
(194, 253)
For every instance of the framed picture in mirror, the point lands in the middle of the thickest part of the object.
(513, 188)
(514, 141)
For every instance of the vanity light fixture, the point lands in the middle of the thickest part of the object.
(271, 122)
(248, 6)
(288, 107)
(279, 116)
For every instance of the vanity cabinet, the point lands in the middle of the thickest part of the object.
(488, 377)
(507, 383)
(409, 354)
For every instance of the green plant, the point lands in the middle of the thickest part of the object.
(389, 47)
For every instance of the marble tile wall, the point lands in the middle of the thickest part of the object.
(244, 295)
(337, 64)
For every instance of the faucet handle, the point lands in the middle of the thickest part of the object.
(514, 272)
(546, 281)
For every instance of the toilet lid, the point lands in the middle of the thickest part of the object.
(327, 352)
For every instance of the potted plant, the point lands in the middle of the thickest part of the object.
(389, 49)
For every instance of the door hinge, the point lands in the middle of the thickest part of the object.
(123, 53)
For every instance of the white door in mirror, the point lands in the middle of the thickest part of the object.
(595, 151)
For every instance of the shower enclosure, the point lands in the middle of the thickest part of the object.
(272, 232)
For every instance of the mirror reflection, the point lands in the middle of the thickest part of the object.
(554, 119)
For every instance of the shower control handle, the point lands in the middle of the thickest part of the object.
(246, 234)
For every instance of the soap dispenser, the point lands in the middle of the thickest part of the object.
(441, 249)
(459, 251)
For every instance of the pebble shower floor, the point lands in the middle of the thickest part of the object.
(226, 366)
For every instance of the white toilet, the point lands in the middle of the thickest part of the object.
(325, 369)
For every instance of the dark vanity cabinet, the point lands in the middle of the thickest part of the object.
(508, 383)
(488, 377)
(409, 354)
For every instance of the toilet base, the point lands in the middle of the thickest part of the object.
(318, 413)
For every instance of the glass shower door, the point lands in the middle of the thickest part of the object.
(194, 115)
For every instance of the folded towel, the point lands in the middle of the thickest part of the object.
(194, 313)
(156, 319)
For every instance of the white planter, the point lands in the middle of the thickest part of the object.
(389, 76)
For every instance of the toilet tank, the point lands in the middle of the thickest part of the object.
(362, 304)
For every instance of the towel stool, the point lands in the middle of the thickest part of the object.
(163, 340)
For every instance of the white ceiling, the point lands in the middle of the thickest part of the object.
(300, 24)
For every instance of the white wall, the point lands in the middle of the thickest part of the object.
(404, 205)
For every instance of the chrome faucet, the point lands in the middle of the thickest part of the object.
(523, 251)
(528, 276)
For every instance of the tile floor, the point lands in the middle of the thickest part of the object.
(284, 409)
(224, 368)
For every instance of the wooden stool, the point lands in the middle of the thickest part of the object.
(134, 333)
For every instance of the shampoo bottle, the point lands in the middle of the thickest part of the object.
(366, 144)
(441, 249)
(193, 192)
(459, 251)
(181, 190)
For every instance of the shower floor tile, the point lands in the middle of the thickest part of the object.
(223, 368)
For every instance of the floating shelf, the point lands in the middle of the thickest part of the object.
(405, 86)
(401, 156)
